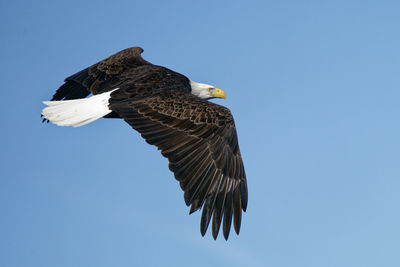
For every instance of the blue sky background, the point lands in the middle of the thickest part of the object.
(314, 87)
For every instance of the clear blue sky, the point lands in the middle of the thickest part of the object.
(315, 90)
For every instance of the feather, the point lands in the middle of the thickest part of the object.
(228, 212)
(208, 209)
(203, 190)
(218, 211)
(237, 211)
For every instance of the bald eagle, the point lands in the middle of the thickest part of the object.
(171, 112)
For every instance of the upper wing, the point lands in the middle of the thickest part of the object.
(101, 77)
(200, 141)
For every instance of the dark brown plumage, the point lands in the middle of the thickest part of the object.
(198, 137)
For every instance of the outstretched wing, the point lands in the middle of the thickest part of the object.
(102, 76)
(200, 141)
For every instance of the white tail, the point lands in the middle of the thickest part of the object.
(77, 112)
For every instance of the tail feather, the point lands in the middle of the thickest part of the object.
(77, 112)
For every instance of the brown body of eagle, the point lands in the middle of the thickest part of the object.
(198, 137)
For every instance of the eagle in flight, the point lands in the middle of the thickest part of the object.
(171, 112)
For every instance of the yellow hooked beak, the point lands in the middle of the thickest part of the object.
(216, 92)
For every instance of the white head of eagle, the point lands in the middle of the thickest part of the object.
(206, 91)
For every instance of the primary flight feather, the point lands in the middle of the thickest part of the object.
(171, 112)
